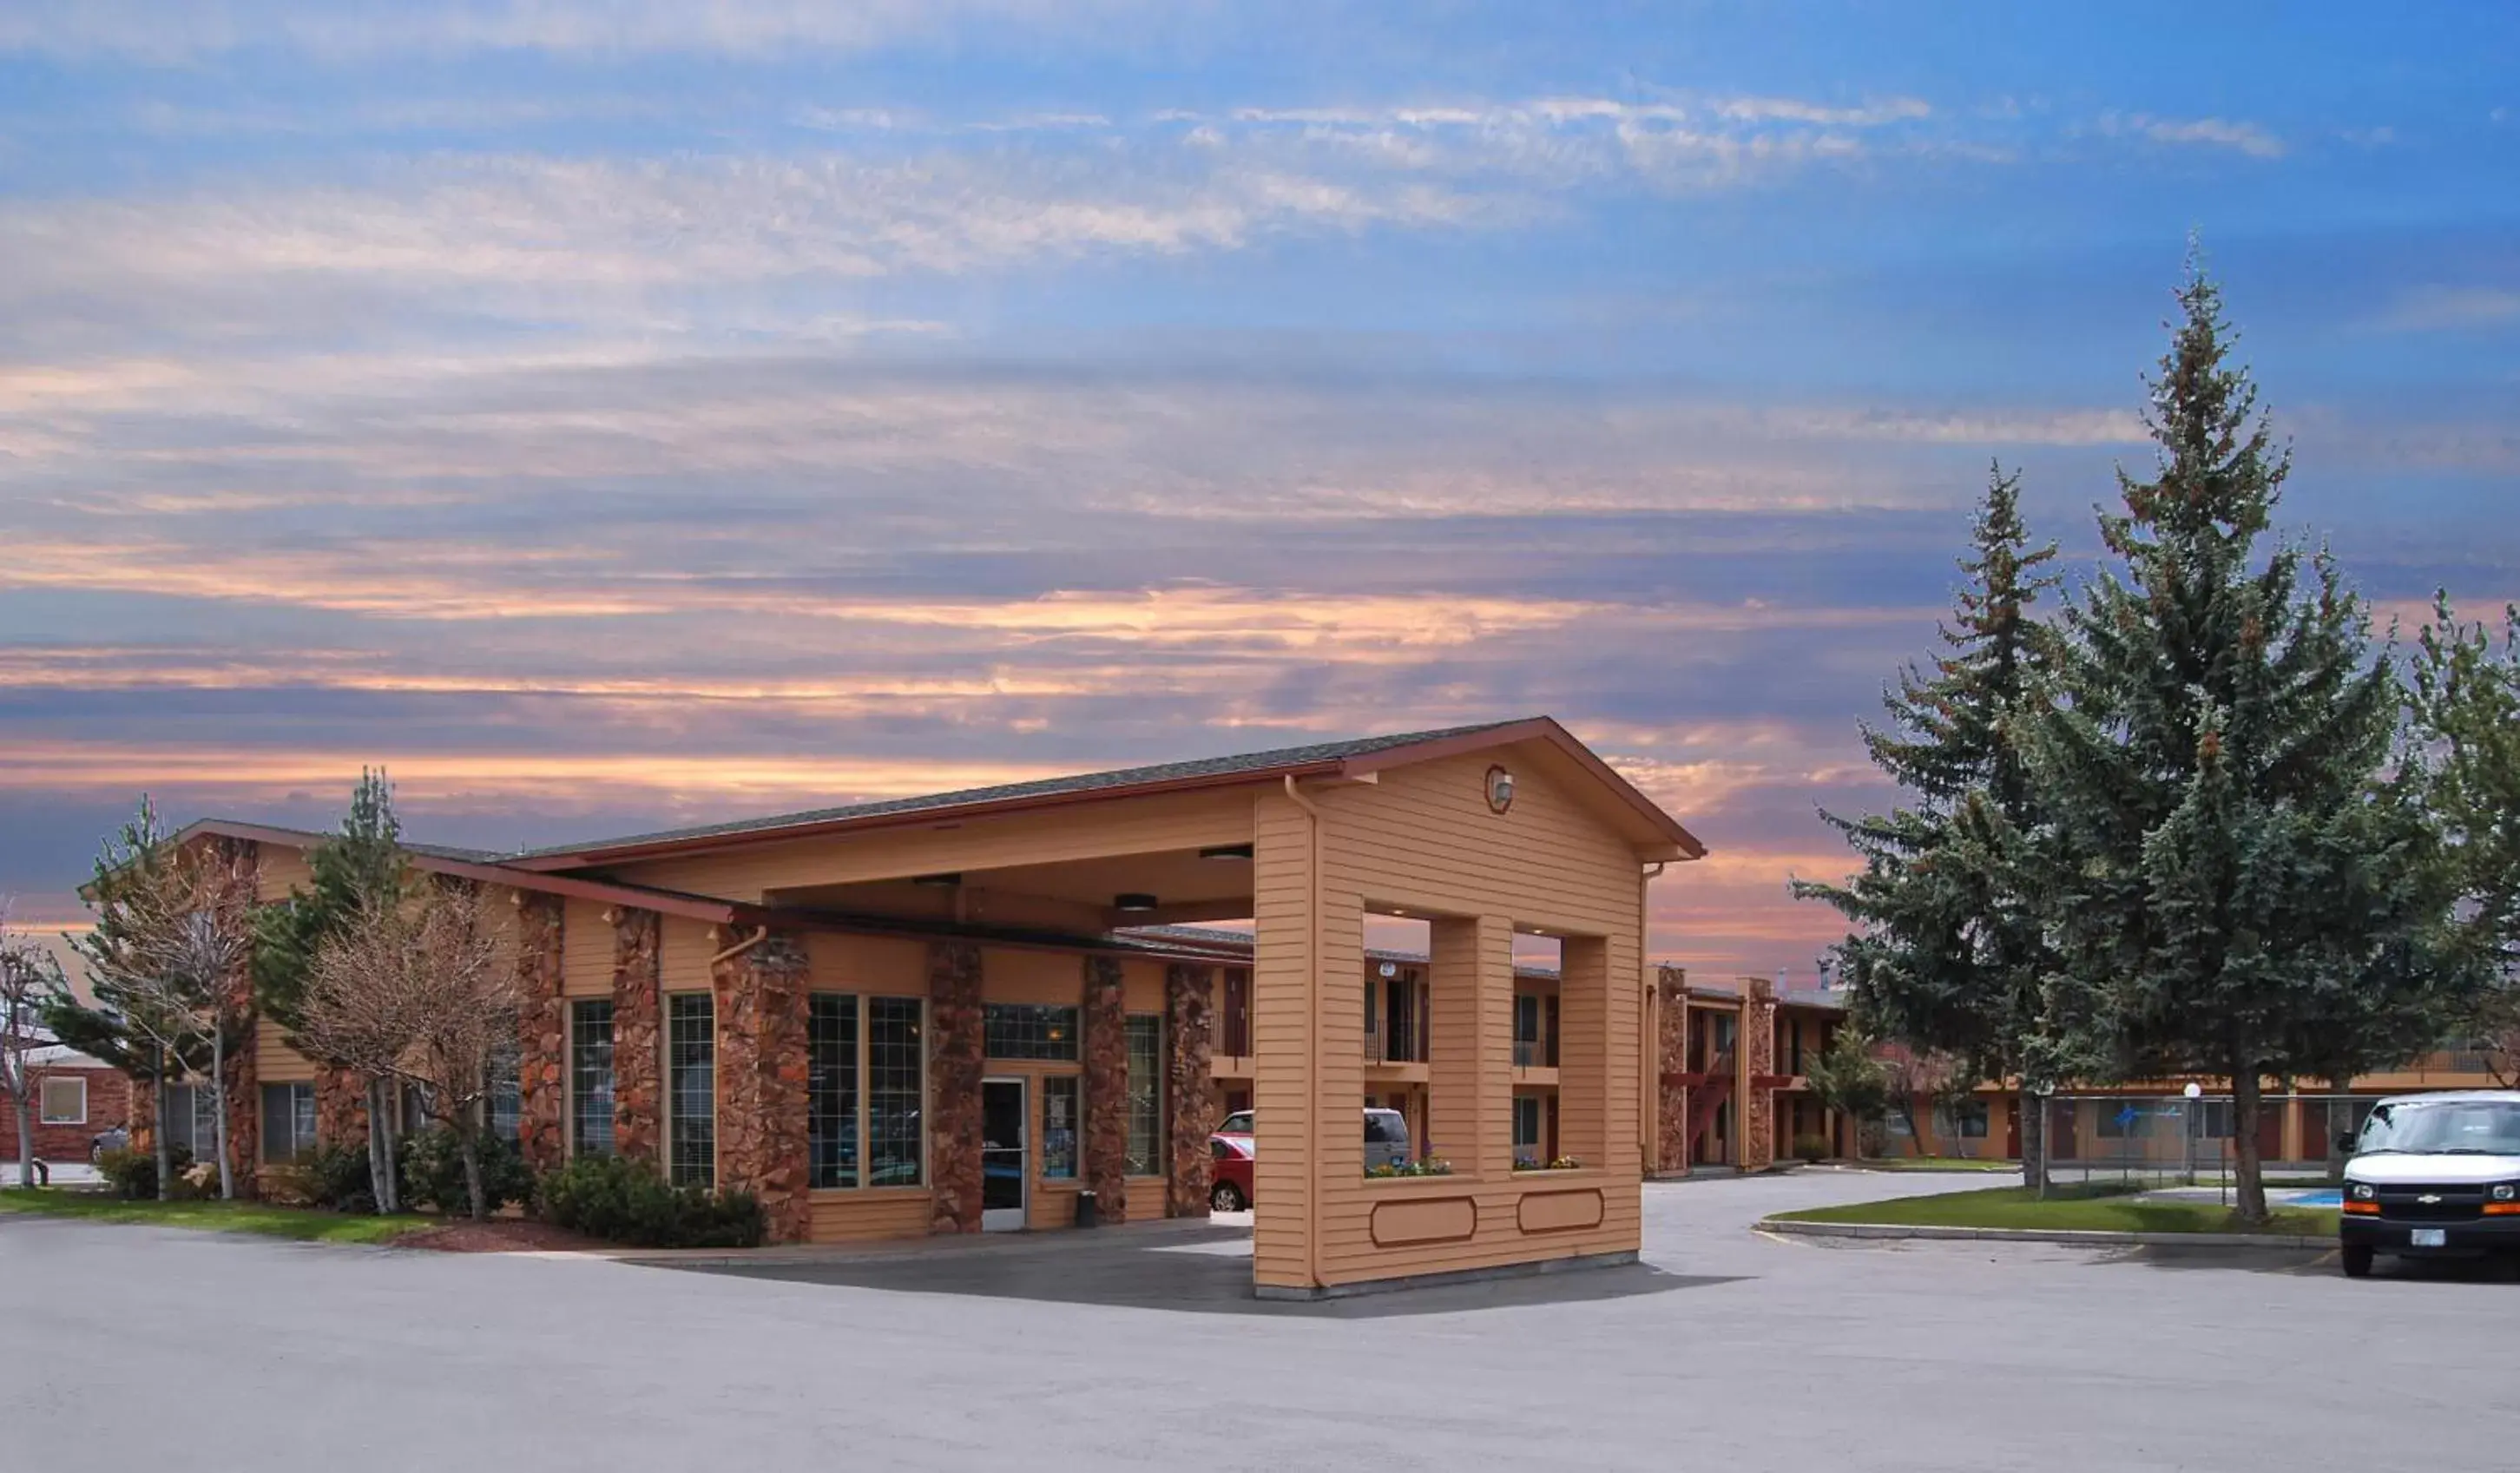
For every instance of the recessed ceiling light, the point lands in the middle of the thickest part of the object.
(1225, 852)
(1133, 900)
(939, 881)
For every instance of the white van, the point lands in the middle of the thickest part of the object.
(2433, 1176)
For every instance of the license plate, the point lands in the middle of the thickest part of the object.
(2428, 1237)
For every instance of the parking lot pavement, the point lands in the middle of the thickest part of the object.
(1767, 1353)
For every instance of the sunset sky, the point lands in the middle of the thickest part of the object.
(611, 414)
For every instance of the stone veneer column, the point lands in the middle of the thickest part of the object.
(955, 1061)
(143, 1121)
(242, 859)
(1671, 1098)
(542, 1032)
(761, 1080)
(340, 1107)
(1759, 1055)
(1107, 1089)
(638, 1088)
(1190, 1026)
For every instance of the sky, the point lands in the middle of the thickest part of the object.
(608, 413)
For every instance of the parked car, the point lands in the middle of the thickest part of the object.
(1386, 1143)
(116, 1140)
(2433, 1176)
(1232, 1192)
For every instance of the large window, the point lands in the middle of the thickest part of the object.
(288, 1121)
(63, 1101)
(832, 1089)
(1526, 1130)
(896, 1055)
(590, 1076)
(507, 1097)
(1029, 1030)
(1059, 1127)
(1146, 1094)
(866, 1082)
(192, 1120)
(691, 1083)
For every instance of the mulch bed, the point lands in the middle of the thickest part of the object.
(497, 1235)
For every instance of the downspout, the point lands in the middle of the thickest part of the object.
(760, 934)
(1648, 1040)
(1312, 1032)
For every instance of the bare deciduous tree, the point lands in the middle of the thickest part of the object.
(29, 979)
(414, 993)
(179, 951)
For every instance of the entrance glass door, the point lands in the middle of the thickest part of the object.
(1003, 1169)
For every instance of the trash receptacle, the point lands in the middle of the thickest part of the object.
(1087, 1211)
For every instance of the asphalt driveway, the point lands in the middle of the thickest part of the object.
(133, 1347)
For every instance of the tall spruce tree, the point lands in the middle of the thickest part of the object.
(1948, 957)
(2226, 852)
(2467, 736)
(361, 865)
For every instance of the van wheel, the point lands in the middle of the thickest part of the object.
(1225, 1198)
(2357, 1261)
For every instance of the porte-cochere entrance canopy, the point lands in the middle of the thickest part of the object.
(869, 967)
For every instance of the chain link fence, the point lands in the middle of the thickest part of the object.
(2152, 1138)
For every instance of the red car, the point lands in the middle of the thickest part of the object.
(1232, 1189)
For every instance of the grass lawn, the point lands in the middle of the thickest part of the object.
(306, 1225)
(2104, 1208)
(1937, 1163)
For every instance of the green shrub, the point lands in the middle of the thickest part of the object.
(433, 1165)
(337, 1176)
(625, 1201)
(133, 1173)
(1811, 1147)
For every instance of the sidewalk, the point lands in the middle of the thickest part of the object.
(64, 1174)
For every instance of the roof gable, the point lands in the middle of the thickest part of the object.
(1657, 832)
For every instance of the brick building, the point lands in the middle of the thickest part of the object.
(76, 1098)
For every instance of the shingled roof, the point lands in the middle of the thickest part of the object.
(1321, 757)
(1160, 774)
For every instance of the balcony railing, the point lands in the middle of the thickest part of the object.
(1374, 1045)
(1535, 1053)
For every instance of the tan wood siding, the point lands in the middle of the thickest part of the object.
(274, 1061)
(1132, 825)
(682, 951)
(867, 1216)
(586, 951)
(1283, 1004)
(1424, 838)
(875, 966)
(279, 869)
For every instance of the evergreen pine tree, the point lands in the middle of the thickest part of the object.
(2226, 855)
(2467, 735)
(364, 859)
(1948, 957)
(361, 865)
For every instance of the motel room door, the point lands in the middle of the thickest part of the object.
(1005, 1169)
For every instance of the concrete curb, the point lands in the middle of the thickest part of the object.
(2069, 1236)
